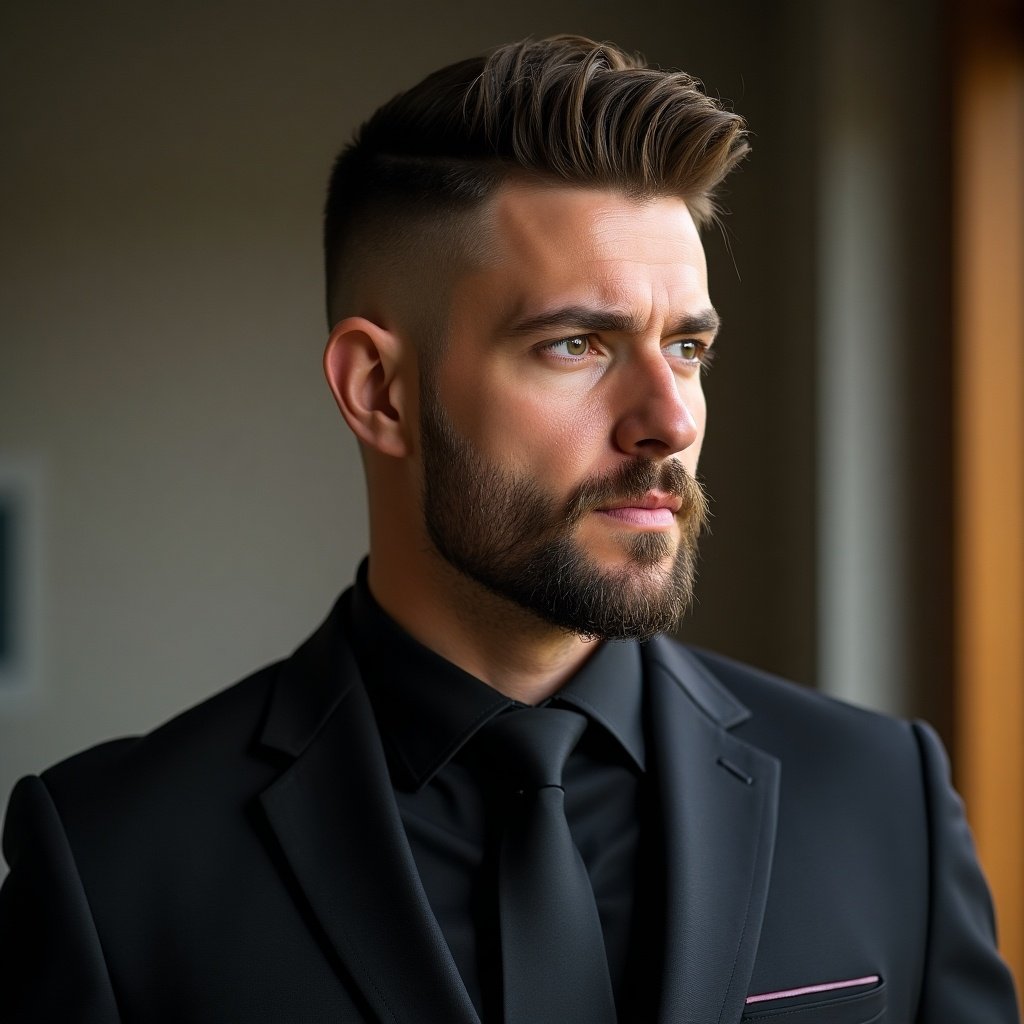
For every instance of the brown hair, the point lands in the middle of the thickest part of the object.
(564, 109)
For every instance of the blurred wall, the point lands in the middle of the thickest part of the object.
(162, 327)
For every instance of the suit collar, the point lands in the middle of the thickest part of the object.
(334, 817)
(312, 682)
(310, 685)
(718, 806)
(696, 681)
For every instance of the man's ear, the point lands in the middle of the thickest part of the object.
(361, 363)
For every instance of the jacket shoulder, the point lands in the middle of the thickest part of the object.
(794, 717)
(213, 757)
(213, 740)
(759, 688)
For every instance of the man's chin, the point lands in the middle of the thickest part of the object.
(627, 550)
(623, 601)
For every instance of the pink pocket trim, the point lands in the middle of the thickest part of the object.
(829, 986)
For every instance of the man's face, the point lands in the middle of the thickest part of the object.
(562, 427)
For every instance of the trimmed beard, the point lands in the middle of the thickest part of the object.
(504, 531)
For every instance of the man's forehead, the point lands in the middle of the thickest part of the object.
(595, 219)
(553, 250)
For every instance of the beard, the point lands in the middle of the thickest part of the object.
(504, 531)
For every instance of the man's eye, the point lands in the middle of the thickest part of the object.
(690, 350)
(574, 347)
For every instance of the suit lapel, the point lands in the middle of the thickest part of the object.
(719, 800)
(334, 815)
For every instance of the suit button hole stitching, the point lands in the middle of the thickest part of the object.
(747, 780)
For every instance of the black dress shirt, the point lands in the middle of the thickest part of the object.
(428, 712)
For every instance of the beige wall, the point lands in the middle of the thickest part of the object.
(161, 328)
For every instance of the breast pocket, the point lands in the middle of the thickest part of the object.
(855, 1004)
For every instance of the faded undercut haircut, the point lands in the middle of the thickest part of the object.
(404, 198)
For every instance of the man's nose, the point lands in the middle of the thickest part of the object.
(655, 419)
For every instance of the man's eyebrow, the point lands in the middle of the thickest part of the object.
(597, 318)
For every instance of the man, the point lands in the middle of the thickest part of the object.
(488, 788)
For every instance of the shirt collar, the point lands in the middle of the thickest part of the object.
(609, 689)
(427, 708)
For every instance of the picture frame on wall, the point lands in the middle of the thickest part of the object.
(20, 579)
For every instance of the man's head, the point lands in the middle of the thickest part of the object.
(520, 315)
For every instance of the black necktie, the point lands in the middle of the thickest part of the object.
(554, 966)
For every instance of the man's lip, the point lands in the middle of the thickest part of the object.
(652, 499)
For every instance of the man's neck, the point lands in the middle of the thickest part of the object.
(488, 636)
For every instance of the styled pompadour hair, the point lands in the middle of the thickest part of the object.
(563, 110)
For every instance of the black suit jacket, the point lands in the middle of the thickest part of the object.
(246, 862)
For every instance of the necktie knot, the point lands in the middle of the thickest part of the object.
(530, 746)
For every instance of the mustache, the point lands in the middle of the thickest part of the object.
(634, 480)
